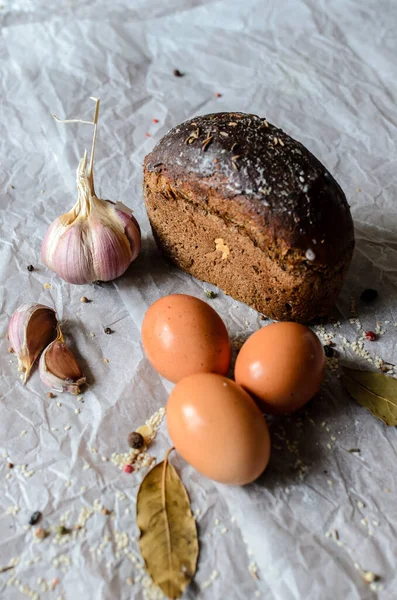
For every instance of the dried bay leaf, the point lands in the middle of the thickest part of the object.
(374, 391)
(168, 541)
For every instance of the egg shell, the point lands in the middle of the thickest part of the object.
(182, 335)
(282, 366)
(217, 428)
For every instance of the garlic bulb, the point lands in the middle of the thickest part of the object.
(32, 327)
(96, 240)
(59, 369)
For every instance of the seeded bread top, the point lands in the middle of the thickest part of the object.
(279, 185)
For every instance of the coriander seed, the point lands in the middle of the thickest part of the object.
(83, 299)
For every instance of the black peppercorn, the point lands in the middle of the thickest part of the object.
(329, 352)
(35, 518)
(369, 295)
(135, 440)
(108, 330)
(177, 73)
(30, 268)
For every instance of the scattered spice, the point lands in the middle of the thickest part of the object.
(40, 533)
(135, 440)
(354, 450)
(30, 268)
(4, 569)
(210, 294)
(371, 336)
(218, 95)
(47, 286)
(178, 73)
(128, 469)
(62, 530)
(108, 331)
(329, 352)
(50, 395)
(84, 299)
(369, 295)
(35, 518)
(370, 577)
(148, 134)
(106, 361)
(11, 350)
(155, 120)
(10, 465)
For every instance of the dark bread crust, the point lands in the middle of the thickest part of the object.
(283, 218)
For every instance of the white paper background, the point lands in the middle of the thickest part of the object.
(325, 72)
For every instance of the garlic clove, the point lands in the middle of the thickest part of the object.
(32, 327)
(59, 369)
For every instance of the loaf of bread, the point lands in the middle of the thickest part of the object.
(237, 202)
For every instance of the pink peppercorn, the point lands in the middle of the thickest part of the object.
(218, 95)
(370, 335)
(128, 468)
(148, 134)
(155, 120)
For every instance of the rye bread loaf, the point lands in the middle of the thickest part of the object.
(237, 202)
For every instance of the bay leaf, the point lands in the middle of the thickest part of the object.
(374, 391)
(168, 540)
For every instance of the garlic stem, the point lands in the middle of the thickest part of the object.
(95, 124)
(91, 167)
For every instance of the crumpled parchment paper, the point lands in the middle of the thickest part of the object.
(324, 71)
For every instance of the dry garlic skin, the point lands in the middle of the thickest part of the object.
(183, 335)
(282, 365)
(217, 428)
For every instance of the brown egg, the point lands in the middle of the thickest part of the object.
(217, 428)
(182, 335)
(282, 365)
